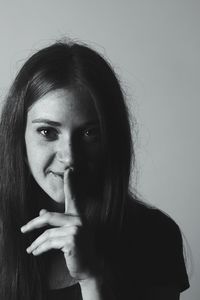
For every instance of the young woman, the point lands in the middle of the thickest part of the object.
(70, 227)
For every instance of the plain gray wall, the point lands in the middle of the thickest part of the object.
(154, 46)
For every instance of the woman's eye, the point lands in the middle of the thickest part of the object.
(48, 133)
(92, 133)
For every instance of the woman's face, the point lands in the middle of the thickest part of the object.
(62, 131)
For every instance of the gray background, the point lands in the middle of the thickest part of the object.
(154, 46)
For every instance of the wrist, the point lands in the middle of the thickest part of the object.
(92, 282)
(91, 288)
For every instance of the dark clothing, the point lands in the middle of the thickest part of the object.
(70, 293)
(149, 253)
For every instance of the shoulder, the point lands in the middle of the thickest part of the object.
(141, 218)
(150, 230)
(154, 246)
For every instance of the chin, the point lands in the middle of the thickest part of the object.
(55, 200)
(55, 204)
(57, 197)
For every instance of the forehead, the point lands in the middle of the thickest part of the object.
(65, 105)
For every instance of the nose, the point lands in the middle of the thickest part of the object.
(65, 153)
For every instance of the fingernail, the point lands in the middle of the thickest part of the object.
(28, 250)
(23, 228)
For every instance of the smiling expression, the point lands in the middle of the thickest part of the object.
(62, 131)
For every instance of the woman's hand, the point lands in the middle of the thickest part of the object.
(66, 233)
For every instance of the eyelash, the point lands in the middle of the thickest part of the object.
(51, 134)
(92, 133)
(89, 135)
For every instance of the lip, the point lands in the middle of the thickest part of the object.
(60, 174)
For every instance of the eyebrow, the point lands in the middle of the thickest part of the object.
(58, 124)
(47, 121)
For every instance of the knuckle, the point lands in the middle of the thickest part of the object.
(48, 215)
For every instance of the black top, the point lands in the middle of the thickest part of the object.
(149, 253)
(70, 293)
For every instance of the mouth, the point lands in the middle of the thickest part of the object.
(57, 174)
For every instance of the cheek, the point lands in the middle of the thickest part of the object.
(93, 154)
(93, 168)
(35, 162)
(36, 156)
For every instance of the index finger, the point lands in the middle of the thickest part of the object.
(70, 206)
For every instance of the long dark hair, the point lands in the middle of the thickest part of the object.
(61, 65)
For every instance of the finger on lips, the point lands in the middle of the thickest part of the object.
(65, 225)
(70, 207)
